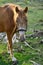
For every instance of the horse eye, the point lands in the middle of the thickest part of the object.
(26, 20)
(17, 20)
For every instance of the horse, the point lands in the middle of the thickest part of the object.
(13, 18)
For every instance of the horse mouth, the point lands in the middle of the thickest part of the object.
(21, 36)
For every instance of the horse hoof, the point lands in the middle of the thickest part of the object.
(15, 62)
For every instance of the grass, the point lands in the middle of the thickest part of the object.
(34, 15)
(23, 57)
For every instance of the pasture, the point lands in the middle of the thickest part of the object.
(25, 57)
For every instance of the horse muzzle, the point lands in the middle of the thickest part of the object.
(22, 36)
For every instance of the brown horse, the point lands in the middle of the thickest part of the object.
(13, 19)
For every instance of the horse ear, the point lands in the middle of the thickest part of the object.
(17, 10)
(26, 9)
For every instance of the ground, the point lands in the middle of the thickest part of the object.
(35, 14)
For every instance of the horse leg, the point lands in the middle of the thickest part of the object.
(10, 48)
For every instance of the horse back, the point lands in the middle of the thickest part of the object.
(6, 18)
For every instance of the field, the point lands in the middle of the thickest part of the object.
(28, 56)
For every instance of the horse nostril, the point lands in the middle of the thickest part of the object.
(22, 39)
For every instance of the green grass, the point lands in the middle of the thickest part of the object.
(23, 57)
(34, 15)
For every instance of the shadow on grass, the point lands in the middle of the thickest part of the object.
(4, 59)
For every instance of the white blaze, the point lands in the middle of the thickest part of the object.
(21, 32)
